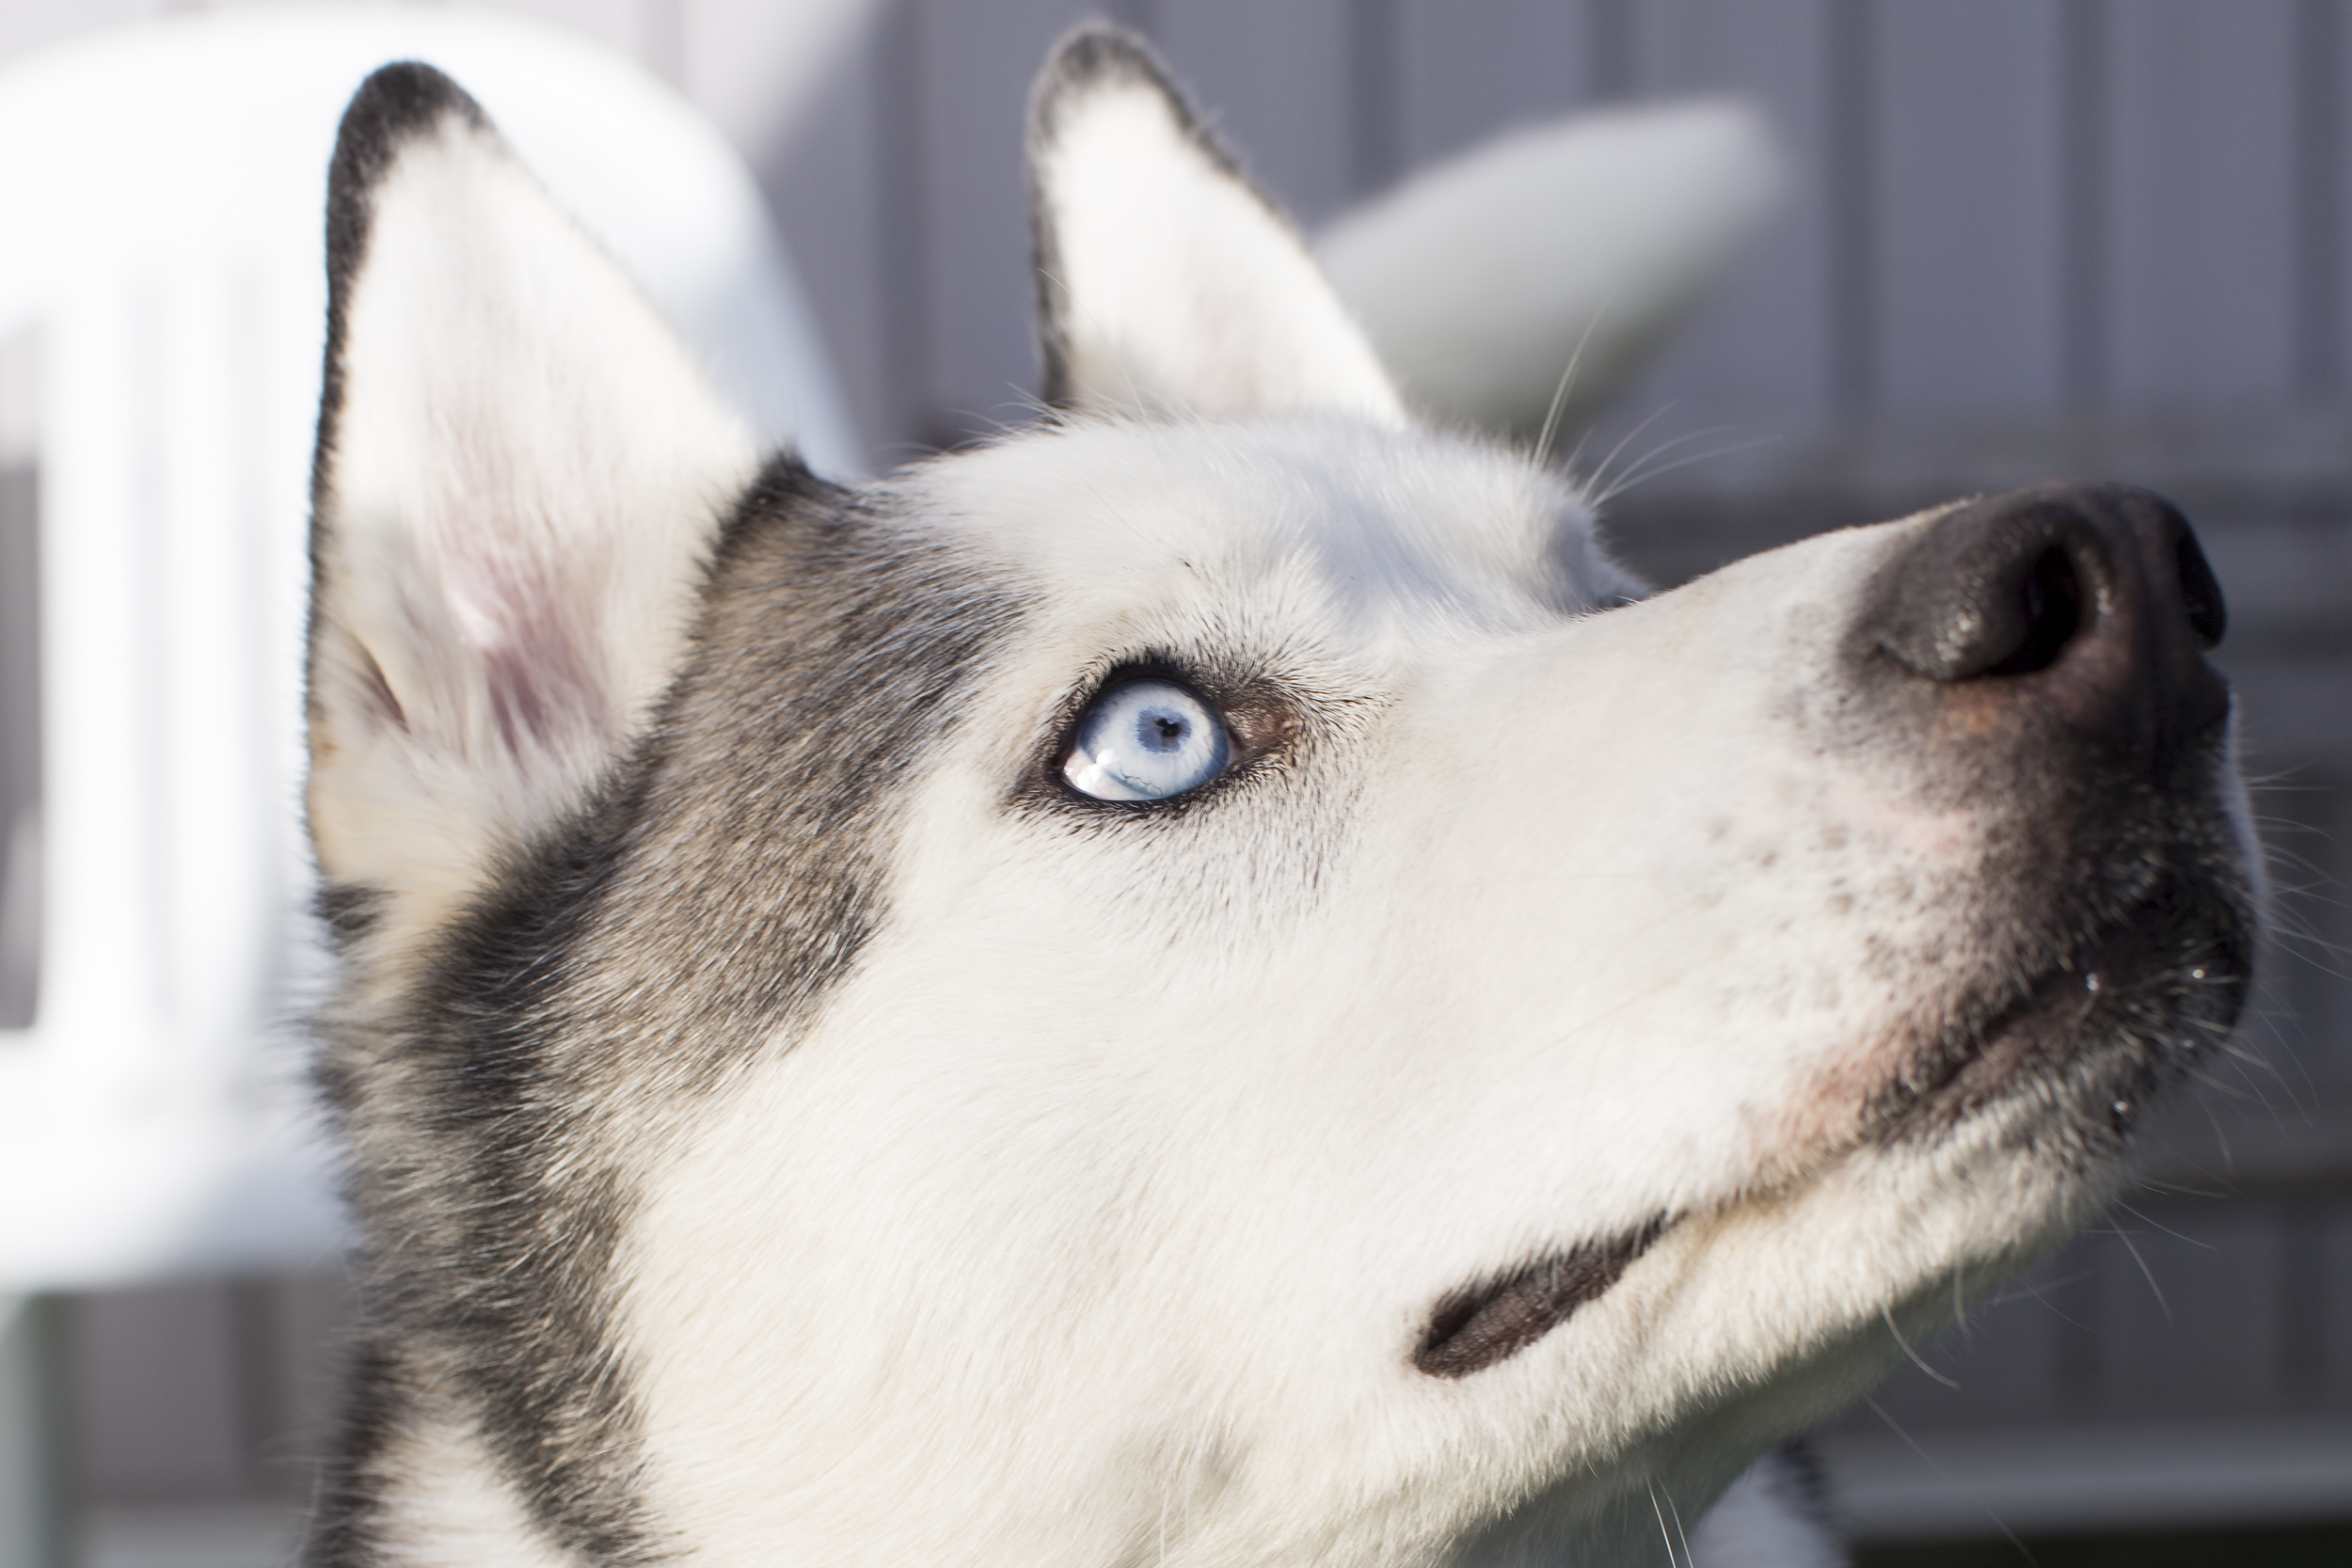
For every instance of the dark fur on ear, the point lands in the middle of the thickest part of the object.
(394, 105)
(1167, 284)
(1091, 55)
(519, 476)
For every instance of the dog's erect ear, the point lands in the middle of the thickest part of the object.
(520, 475)
(1166, 283)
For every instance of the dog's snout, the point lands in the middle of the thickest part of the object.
(2091, 600)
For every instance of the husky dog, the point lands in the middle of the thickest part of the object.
(1208, 983)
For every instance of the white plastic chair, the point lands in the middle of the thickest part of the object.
(160, 272)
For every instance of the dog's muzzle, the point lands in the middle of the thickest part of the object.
(2049, 645)
(2045, 651)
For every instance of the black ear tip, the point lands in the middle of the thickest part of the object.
(399, 100)
(1093, 58)
(410, 90)
(396, 105)
(1095, 54)
(396, 102)
(1094, 49)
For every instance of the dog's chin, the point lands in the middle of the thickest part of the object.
(2071, 1060)
(2103, 1026)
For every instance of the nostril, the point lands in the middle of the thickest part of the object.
(2093, 600)
(2200, 594)
(2051, 600)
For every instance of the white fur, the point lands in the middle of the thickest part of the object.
(1159, 1157)
(459, 1508)
(526, 520)
(1093, 1217)
(1185, 292)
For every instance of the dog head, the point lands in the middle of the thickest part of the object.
(1208, 982)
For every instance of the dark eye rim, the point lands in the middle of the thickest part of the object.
(1261, 719)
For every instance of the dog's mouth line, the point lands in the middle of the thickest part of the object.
(2090, 988)
(2170, 937)
(1487, 1322)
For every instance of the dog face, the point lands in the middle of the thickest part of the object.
(1207, 983)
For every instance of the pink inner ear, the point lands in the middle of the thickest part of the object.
(540, 689)
(529, 621)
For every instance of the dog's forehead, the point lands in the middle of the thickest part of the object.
(1385, 529)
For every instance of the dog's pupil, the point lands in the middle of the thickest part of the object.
(1168, 734)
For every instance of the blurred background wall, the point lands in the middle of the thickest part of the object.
(2027, 237)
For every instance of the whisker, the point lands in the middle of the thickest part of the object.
(2175, 1188)
(1888, 1315)
(1567, 376)
(1634, 468)
(2145, 1272)
(1645, 476)
(1654, 415)
(1687, 1556)
(1672, 1561)
(2034, 1292)
(1896, 1427)
(2177, 1236)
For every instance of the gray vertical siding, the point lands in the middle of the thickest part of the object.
(2025, 236)
(1769, 339)
(1967, 211)
(2201, 208)
(969, 77)
(1276, 80)
(2323, 263)
(2004, 206)
(1462, 70)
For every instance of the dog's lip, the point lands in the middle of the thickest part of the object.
(2189, 937)
(1492, 1319)
(2179, 938)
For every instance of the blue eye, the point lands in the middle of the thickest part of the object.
(1146, 740)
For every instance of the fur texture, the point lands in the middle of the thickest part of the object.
(1559, 1058)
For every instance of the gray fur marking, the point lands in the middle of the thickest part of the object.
(689, 919)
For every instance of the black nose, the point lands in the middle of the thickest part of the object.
(2091, 600)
